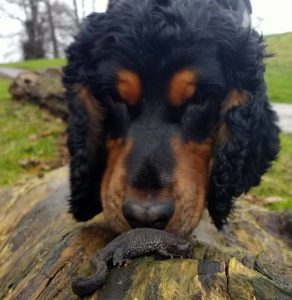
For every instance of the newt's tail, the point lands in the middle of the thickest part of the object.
(88, 285)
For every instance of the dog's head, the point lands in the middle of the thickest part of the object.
(175, 106)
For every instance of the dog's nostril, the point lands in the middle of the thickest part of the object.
(148, 213)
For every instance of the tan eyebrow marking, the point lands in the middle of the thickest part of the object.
(182, 86)
(129, 86)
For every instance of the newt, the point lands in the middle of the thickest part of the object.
(134, 243)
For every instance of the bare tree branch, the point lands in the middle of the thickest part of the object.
(52, 29)
(25, 9)
(48, 25)
(76, 13)
(11, 35)
(83, 9)
(9, 15)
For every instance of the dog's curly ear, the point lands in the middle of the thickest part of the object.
(85, 129)
(247, 142)
(247, 139)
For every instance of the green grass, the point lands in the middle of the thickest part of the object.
(25, 133)
(278, 181)
(279, 68)
(37, 64)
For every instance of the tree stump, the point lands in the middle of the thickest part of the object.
(42, 248)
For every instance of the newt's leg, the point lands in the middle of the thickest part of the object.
(119, 259)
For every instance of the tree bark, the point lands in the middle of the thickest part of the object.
(52, 29)
(76, 13)
(42, 248)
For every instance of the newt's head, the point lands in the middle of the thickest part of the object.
(177, 246)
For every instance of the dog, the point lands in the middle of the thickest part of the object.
(168, 113)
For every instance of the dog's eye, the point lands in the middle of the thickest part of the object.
(206, 93)
(121, 107)
(200, 97)
(174, 114)
(117, 118)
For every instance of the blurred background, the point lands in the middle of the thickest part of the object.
(33, 37)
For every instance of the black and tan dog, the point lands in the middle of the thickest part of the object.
(169, 113)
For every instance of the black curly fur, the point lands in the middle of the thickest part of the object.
(254, 137)
(150, 35)
(240, 163)
(86, 168)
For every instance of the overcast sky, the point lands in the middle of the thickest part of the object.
(268, 16)
(275, 16)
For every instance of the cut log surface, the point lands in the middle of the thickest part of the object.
(42, 248)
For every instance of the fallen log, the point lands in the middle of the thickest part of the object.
(43, 88)
(42, 248)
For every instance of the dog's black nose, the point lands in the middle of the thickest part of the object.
(154, 214)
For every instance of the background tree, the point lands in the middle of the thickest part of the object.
(47, 25)
(76, 13)
(65, 27)
(52, 28)
(32, 22)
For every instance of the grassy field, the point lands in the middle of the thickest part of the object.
(29, 138)
(276, 183)
(37, 64)
(279, 68)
